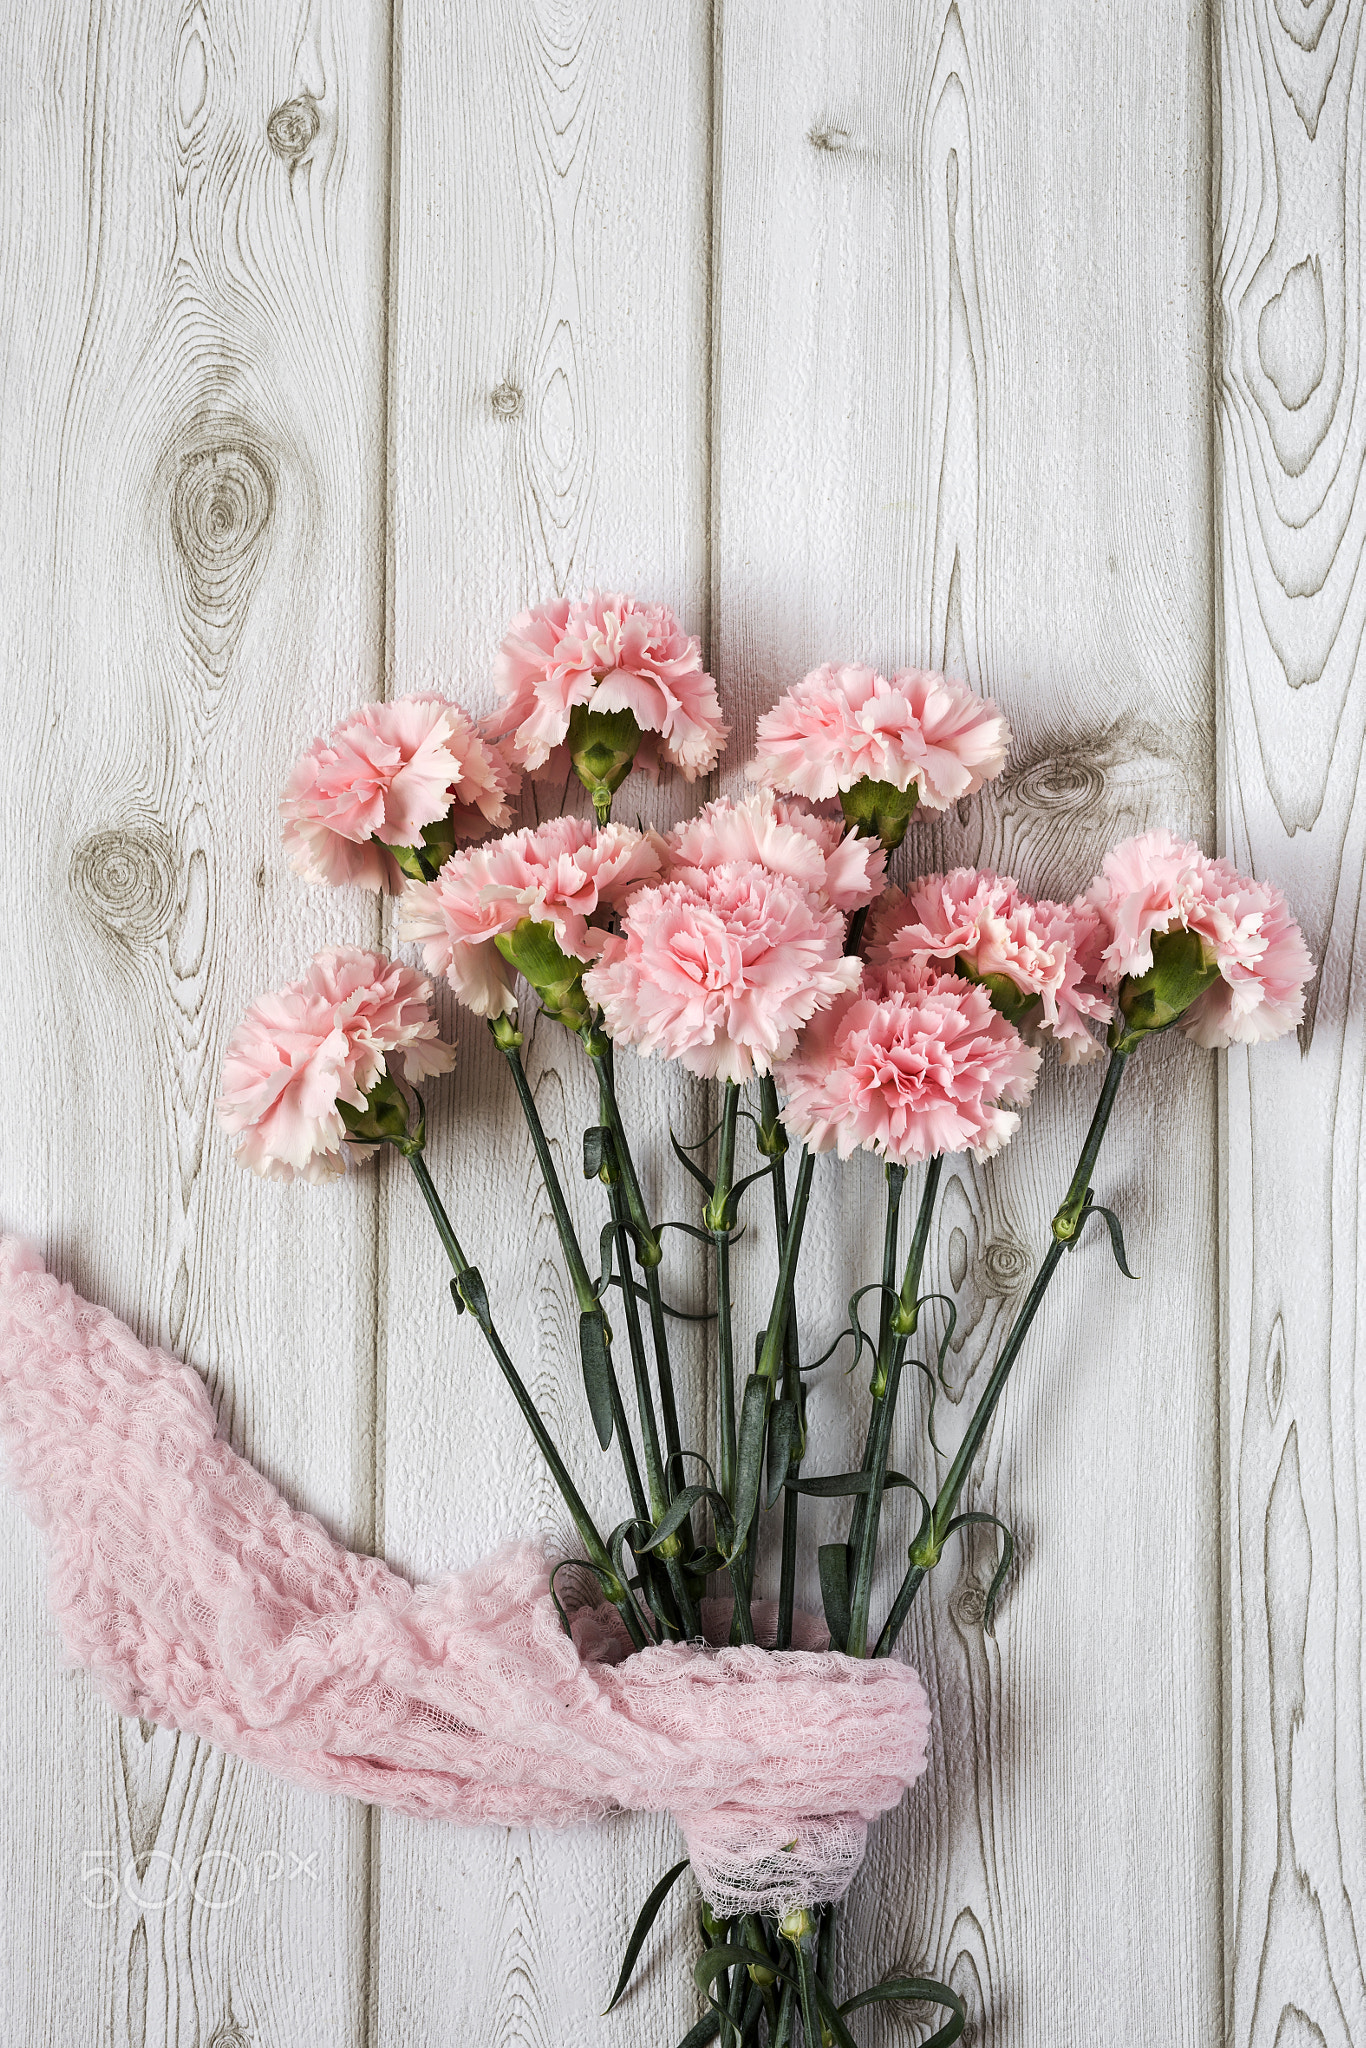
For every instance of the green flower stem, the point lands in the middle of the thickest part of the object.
(600, 1052)
(773, 1144)
(649, 1427)
(510, 1045)
(471, 1292)
(896, 1332)
(449, 1241)
(679, 1606)
(725, 1368)
(599, 1048)
(771, 1354)
(717, 1218)
(770, 1357)
(882, 1364)
(1067, 1222)
(925, 1551)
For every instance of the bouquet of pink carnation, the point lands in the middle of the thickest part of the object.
(760, 946)
(735, 945)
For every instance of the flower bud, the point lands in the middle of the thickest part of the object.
(556, 976)
(880, 810)
(602, 746)
(798, 1924)
(715, 1929)
(1182, 970)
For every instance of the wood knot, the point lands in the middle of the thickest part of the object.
(125, 878)
(221, 503)
(292, 127)
(970, 1603)
(829, 139)
(1061, 783)
(506, 401)
(1007, 1265)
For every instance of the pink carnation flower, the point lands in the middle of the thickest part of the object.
(842, 725)
(720, 967)
(317, 1042)
(986, 923)
(786, 838)
(909, 1064)
(615, 654)
(562, 873)
(380, 776)
(1156, 882)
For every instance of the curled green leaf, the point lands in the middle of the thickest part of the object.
(1007, 1554)
(649, 1912)
(681, 1153)
(681, 1506)
(916, 1990)
(1116, 1235)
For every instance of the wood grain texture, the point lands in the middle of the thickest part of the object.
(548, 432)
(1291, 439)
(192, 389)
(961, 407)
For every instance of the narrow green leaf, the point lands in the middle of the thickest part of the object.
(749, 1180)
(707, 2029)
(837, 1485)
(597, 1150)
(905, 1990)
(725, 1955)
(832, 1561)
(681, 1506)
(1116, 1236)
(784, 1429)
(597, 1371)
(1007, 1553)
(693, 1168)
(812, 1364)
(648, 1914)
(749, 1454)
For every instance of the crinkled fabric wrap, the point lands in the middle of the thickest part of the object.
(200, 1599)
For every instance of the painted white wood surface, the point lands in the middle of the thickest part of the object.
(332, 339)
(1292, 442)
(193, 397)
(959, 420)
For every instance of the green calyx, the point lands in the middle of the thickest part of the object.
(1181, 972)
(879, 810)
(1008, 999)
(602, 746)
(532, 949)
(424, 862)
(383, 1120)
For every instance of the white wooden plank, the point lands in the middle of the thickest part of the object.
(961, 419)
(193, 354)
(1291, 445)
(548, 431)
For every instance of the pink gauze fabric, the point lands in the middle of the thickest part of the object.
(200, 1599)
